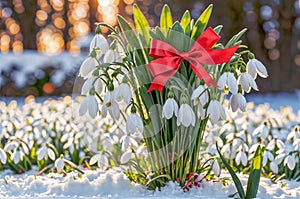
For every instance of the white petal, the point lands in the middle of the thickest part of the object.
(238, 158)
(168, 109)
(84, 106)
(261, 69)
(114, 111)
(59, 164)
(232, 83)
(87, 66)
(216, 168)
(291, 163)
(111, 56)
(88, 84)
(15, 156)
(126, 157)
(274, 167)
(3, 157)
(51, 154)
(279, 158)
(251, 68)
(99, 42)
(92, 106)
(244, 159)
(222, 80)
(103, 162)
(42, 152)
(98, 86)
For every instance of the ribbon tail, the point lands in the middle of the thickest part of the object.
(203, 74)
(223, 55)
(160, 80)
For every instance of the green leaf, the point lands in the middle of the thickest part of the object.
(201, 23)
(218, 29)
(235, 39)
(141, 23)
(128, 33)
(166, 19)
(177, 37)
(185, 21)
(254, 176)
(235, 179)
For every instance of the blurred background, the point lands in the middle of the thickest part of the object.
(43, 42)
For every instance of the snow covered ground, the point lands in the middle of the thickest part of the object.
(114, 184)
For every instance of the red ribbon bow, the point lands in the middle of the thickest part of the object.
(168, 59)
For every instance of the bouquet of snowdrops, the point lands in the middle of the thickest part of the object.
(167, 83)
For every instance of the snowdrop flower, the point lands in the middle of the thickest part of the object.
(261, 131)
(3, 157)
(290, 161)
(247, 82)
(126, 157)
(241, 157)
(111, 56)
(92, 82)
(274, 167)
(216, 168)
(255, 67)
(238, 101)
(170, 108)
(199, 95)
(128, 142)
(134, 124)
(110, 106)
(228, 81)
(267, 156)
(99, 44)
(216, 111)
(186, 116)
(123, 92)
(44, 151)
(87, 66)
(59, 163)
(101, 160)
(90, 105)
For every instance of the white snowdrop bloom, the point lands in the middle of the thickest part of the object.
(3, 157)
(134, 124)
(90, 83)
(17, 156)
(126, 157)
(274, 167)
(216, 168)
(228, 81)
(255, 67)
(241, 157)
(216, 111)
(44, 152)
(89, 105)
(199, 95)
(123, 92)
(170, 108)
(87, 66)
(271, 145)
(267, 156)
(238, 101)
(99, 44)
(101, 160)
(247, 82)
(279, 158)
(128, 142)
(59, 164)
(261, 131)
(290, 161)
(11, 146)
(110, 106)
(111, 56)
(186, 116)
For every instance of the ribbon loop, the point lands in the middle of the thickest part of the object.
(169, 59)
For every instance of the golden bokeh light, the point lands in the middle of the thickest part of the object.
(41, 15)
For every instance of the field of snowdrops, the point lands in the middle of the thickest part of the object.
(51, 140)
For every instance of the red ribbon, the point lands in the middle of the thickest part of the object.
(168, 59)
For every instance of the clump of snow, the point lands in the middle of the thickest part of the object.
(114, 184)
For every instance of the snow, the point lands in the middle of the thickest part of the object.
(114, 184)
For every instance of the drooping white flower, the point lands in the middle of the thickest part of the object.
(45, 151)
(228, 81)
(199, 95)
(134, 124)
(101, 160)
(128, 142)
(216, 111)
(111, 106)
(16, 156)
(3, 157)
(241, 157)
(261, 131)
(255, 67)
(90, 105)
(247, 82)
(126, 157)
(59, 164)
(123, 92)
(274, 167)
(111, 56)
(170, 108)
(186, 116)
(216, 168)
(267, 156)
(99, 44)
(238, 101)
(290, 161)
(87, 66)
(90, 83)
